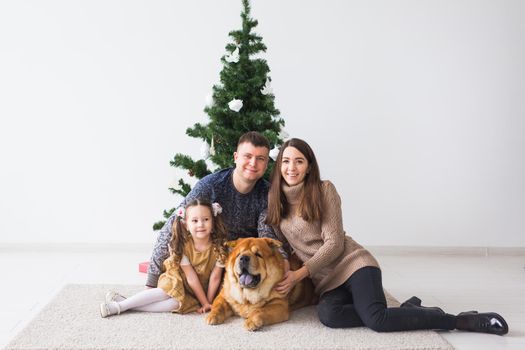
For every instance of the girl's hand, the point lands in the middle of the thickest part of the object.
(204, 309)
(287, 283)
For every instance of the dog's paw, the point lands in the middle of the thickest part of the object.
(253, 323)
(214, 318)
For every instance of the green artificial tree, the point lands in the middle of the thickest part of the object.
(242, 101)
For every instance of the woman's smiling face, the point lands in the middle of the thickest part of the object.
(294, 166)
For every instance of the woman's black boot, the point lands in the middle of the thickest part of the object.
(488, 322)
(416, 302)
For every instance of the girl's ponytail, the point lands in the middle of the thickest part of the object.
(178, 239)
(219, 234)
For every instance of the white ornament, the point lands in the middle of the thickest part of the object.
(205, 150)
(283, 135)
(267, 88)
(210, 165)
(212, 148)
(217, 209)
(209, 100)
(233, 57)
(274, 153)
(235, 105)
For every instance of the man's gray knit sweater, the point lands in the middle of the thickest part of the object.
(243, 214)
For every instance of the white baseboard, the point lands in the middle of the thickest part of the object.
(428, 250)
(76, 247)
(148, 247)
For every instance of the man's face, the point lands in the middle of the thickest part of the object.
(250, 161)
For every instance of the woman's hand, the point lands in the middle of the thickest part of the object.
(291, 278)
(287, 283)
(205, 308)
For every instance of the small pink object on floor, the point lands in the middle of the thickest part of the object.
(143, 267)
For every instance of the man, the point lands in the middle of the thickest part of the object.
(241, 192)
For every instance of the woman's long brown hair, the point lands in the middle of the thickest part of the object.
(310, 207)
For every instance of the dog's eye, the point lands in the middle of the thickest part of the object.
(257, 254)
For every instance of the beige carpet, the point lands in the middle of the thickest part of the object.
(72, 321)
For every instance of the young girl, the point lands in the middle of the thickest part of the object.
(192, 272)
(306, 212)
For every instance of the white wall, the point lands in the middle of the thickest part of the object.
(415, 109)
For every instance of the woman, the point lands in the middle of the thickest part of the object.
(306, 213)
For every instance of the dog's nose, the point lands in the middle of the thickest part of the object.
(244, 260)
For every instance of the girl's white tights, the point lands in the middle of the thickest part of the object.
(149, 300)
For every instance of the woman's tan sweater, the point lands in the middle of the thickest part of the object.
(329, 254)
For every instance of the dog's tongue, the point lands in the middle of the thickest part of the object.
(246, 279)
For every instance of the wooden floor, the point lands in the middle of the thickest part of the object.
(33, 274)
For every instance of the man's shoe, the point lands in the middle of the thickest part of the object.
(487, 322)
(415, 302)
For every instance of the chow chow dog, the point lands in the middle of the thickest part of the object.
(253, 268)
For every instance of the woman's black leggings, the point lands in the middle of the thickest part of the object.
(360, 301)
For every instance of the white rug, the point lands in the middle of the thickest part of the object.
(72, 321)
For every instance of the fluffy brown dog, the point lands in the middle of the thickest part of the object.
(253, 268)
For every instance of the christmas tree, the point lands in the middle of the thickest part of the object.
(242, 101)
